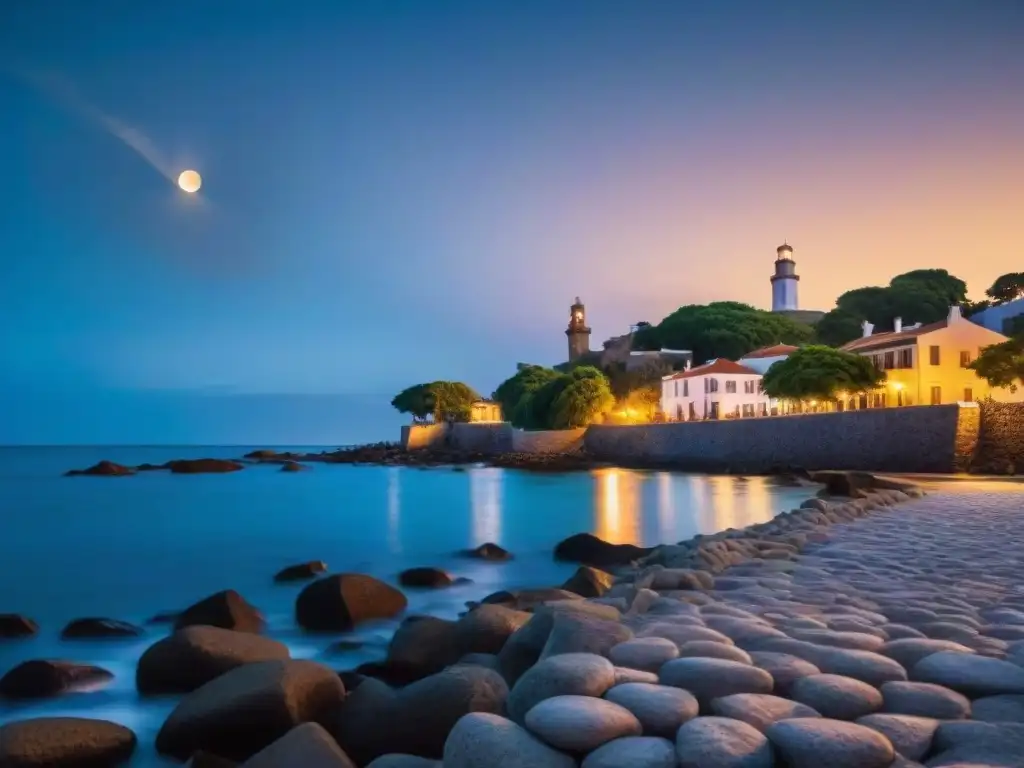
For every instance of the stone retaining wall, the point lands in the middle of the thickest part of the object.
(417, 436)
(548, 441)
(1001, 445)
(915, 439)
(482, 438)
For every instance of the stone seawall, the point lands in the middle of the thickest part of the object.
(915, 439)
(1001, 445)
(488, 439)
(548, 441)
(418, 436)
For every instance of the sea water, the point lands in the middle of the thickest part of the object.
(131, 547)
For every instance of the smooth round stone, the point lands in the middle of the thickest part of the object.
(683, 633)
(570, 674)
(858, 641)
(856, 625)
(627, 675)
(784, 669)
(580, 723)
(633, 752)
(817, 742)
(924, 700)
(484, 740)
(709, 679)
(1009, 632)
(1008, 708)
(909, 651)
(760, 709)
(644, 653)
(713, 650)
(720, 742)
(46, 742)
(661, 709)
(948, 630)
(971, 675)
(837, 697)
(910, 736)
(971, 743)
(401, 761)
(901, 632)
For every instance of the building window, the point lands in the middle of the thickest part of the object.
(936, 392)
(710, 385)
(730, 387)
(965, 359)
(693, 411)
(675, 387)
(748, 411)
(679, 412)
(764, 409)
(686, 389)
(968, 395)
(890, 360)
(906, 358)
(749, 387)
(714, 409)
(933, 355)
(899, 399)
(878, 400)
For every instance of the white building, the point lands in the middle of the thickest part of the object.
(762, 359)
(1001, 317)
(720, 389)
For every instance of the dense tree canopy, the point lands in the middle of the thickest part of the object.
(722, 329)
(543, 398)
(1007, 288)
(515, 393)
(444, 400)
(1002, 365)
(820, 373)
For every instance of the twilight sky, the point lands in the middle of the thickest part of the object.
(401, 191)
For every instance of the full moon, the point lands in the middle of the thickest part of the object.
(190, 181)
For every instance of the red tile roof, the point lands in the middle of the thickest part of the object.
(715, 366)
(891, 338)
(777, 350)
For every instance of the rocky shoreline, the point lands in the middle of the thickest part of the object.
(765, 646)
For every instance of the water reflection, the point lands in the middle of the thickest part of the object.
(485, 504)
(394, 511)
(666, 509)
(618, 507)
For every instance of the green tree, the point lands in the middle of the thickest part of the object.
(417, 400)
(820, 373)
(721, 329)
(581, 402)
(1002, 365)
(1007, 288)
(515, 393)
(442, 399)
(838, 327)
(948, 288)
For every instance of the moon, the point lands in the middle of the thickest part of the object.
(190, 181)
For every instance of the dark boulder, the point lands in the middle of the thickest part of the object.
(433, 578)
(14, 625)
(202, 759)
(304, 746)
(150, 467)
(589, 582)
(164, 617)
(263, 453)
(90, 629)
(197, 466)
(341, 601)
(588, 549)
(227, 610)
(395, 673)
(245, 710)
(301, 571)
(529, 599)
(64, 742)
(103, 469)
(193, 656)
(294, 466)
(488, 551)
(39, 679)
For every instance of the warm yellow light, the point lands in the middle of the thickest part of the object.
(897, 386)
(190, 181)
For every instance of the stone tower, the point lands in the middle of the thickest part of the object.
(784, 281)
(578, 333)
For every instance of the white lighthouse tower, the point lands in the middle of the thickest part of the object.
(785, 280)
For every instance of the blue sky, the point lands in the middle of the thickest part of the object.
(403, 191)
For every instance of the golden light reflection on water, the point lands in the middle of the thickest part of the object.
(485, 504)
(666, 510)
(394, 511)
(617, 506)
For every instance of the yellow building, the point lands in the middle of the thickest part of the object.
(485, 411)
(927, 364)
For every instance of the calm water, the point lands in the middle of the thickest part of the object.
(128, 548)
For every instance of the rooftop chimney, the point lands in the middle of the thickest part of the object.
(867, 328)
(897, 325)
(687, 366)
(954, 313)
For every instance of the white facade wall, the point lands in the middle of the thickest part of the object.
(678, 395)
(784, 296)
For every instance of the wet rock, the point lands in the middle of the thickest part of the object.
(104, 469)
(760, 710)
(817, 742)
(529, 599)
(193, 656)
(719, 742)
(866, 666)
(341, 601)
(307, 745)
(589, 582)
(973, 676)
(81, 629)
(301, 571)
(627, 675)
(683, 633)
(203, 466)
(245, 710)
(580, 723)
(39, 679)
(362, 724)
(13, 625)
(909, 651)
(579, 632)
(1008, 708)
(227, 610)
(294, 466)
(910, 736)
(481, 740)
(64, 742)
(784, 669)
(391, 672)
(714, 650)
(432, 578)
(203, 759)
(487, 628)
(424, 645)
(709, 679)
(660, 709)
(860, 641)
(924, 700)
(968, 743)
(580, 674)
(634, 752)
(589, 550)
(488, 551)
(837, 697)
(646, 653)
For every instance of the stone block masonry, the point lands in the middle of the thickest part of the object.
(1001, 445)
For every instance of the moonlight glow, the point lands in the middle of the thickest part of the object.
(190, 181)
